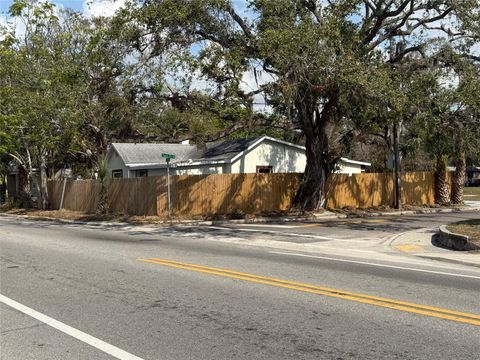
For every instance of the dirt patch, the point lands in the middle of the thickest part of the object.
(384, 209)
(471, 228)
(79, 216)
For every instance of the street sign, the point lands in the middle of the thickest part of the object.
(168, 156)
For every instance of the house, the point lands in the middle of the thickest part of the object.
(257, 155)
(472, 176)
(16, 180)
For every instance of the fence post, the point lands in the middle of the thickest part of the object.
(63, 193)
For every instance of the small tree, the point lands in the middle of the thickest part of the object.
(102, 174)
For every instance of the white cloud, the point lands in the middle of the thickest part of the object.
(106, 8)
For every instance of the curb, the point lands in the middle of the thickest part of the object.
(416, 212)
(315, 217)
(455, 241)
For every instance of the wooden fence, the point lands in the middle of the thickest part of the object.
(195, 195)
(377, 189)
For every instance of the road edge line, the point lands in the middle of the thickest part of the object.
(69, 330)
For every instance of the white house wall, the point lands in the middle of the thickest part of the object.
(282, 158)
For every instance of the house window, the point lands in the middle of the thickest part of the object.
(117, 173)
(142, 173)
(264, 169)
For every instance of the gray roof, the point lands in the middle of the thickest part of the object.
(226, 150)
(139, 153)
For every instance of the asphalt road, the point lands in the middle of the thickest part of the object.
(96, 281)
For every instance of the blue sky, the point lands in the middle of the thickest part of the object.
(76, 5)
(92, 8)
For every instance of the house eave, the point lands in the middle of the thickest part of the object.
(200, 163)
(355, 162)
(174, 165)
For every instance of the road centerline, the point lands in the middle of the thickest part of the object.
(472, 319)
(69, 330)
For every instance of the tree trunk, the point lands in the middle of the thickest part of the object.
(458, 180)
(44, 200)
(441, 188)
(102, 206)
(318, 128)
(311, 194)
(27, 188)
(23, 197)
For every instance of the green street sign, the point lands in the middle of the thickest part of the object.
(168, 156)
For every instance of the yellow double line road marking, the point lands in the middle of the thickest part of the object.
(446, 314)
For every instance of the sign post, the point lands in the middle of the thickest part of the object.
(168, 157)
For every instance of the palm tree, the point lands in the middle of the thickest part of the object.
(102, 173)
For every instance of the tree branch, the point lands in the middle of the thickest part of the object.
(246, 30)
(397, 23)
(311, 6)
(398, 57)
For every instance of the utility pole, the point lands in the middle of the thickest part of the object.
(397, 167)
(168, 187)
(167, 158)
(396, 48)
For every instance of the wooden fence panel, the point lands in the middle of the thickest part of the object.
(418, 188)
(230, 193)
(197, 195)
(136, 196)
(360, 190)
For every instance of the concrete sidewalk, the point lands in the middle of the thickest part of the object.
(421, 243)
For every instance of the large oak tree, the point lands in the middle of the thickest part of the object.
(322, 55)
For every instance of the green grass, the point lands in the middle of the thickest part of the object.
(472, 193)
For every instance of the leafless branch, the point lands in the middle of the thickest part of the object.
(246, 30)
(393, 23)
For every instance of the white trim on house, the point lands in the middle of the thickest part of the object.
(136, 165)
(345, 160)
(205, 162)
(175, 164)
